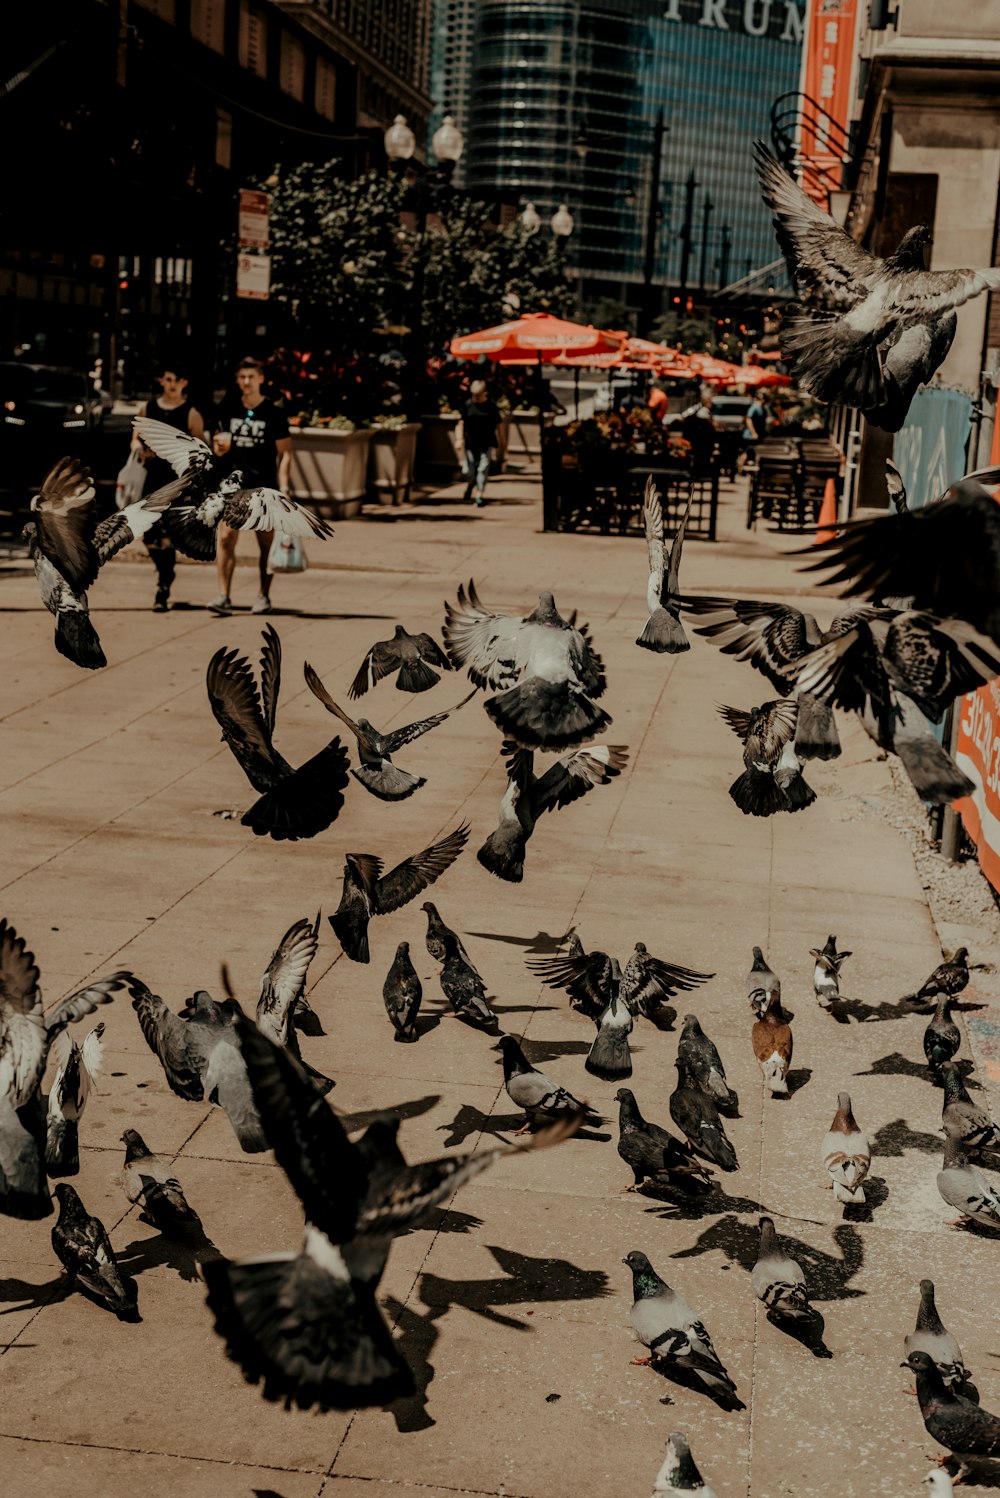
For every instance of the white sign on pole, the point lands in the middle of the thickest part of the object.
(253, 226)
(253, 277)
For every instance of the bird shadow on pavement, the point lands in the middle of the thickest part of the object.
(844, 1010)
(808, 1332)
(876, 1195)
(526, 1281)
(704, 1204)
(182, 1253)
(415, 1339)
(526, 1009)
(31, 1297)
(898, 1065)
(686, 1379)
(541, 943)
(540, 1051)
(472, 1120)
(412, 1109)
(796, 1079)
(897, 1137)
(826, 1276)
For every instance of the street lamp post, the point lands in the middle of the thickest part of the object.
(687, 233)
(707, 209)
(653, 216)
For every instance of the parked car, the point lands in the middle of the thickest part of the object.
(46, 400)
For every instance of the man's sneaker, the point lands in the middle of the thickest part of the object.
(221, 605)
(162, 601)
(261, 605)
(480, 501)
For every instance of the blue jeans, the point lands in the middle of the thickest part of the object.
(476, 467)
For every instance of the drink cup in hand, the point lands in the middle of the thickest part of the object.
(222, 442)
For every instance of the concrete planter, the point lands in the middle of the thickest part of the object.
(330, 470)
(437, 456)
(391, 460)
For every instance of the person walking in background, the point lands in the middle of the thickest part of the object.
(173, 407)
(253, 433)
(480, 421)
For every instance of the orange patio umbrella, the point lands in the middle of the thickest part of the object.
(537, 337)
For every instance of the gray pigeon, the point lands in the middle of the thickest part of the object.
(79, 1067)
(546, 668)
(282, 989)
(200, 1056)
(777, 1279)
(653, 1154)
(704, 1064)
(84, 1250)
(679, 1475)
(695, 1114)
(368, 892)
(412, 659)
(942, 1037)
(961, 1427)
(437, 934)
(665, 1323)
(541, 1099)
(949, 978)
(75, 637)
(376, 772)
(930, 1335)
(148, 1179)
(761, 983)
(462, 986)
(609, 1056)
(963, 1187)
(846, 1154)
(664, 631)
(529, 795)
(401, 995)
(826, 971)
(772, 780)
(973, 1125)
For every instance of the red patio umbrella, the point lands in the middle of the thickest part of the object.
(537, 337)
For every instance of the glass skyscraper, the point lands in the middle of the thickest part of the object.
(564, 102)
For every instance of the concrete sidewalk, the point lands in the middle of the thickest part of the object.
(513, 1310)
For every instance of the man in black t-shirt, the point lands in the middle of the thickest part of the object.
(479, 435)
(253, 434)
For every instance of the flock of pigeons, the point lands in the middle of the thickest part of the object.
(304, 1323)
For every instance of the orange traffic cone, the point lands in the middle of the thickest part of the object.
(827, 514)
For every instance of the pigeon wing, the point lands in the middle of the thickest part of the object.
(652, 520)
(382, 660)
(260, 509)
(85, 1001)
(64, 519)
(927, 293)
(490, 645)
(115, 531)
(22, 1025)
(232, 693)
(172, 1040)
(575, 774)
(286, 973)
(400, 736)
(768, 635)
(270, 676)
(188, 456)
(430, 650)
(407, 879)
(320, 692)
(586, 978)
(738, 720)
(674, 566)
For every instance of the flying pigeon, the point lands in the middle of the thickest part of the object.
(411, 657)
(529, 795)
(869, 331)
(931, 1336)
(665, 1323)
(294, 803)
(771, 1038)
(777, 1279)
(200, 1056)
(653, 1154)
(462, 985)
(368, 892)
(75, 637)
(944, 557)
(704, 1065)
(772, 780)
(541, 1099)
(546, 667)
(762, 984)
(26, 1034)
(79, 1066)
(949, 978)
(697, 1117)
(306, 1324)
(772, 637)
(401, 995)
(974, 1126)
(148, 1179)
(590, 979)
(219, 496)
(84, 1250)
(679, 1475)
(965, 1188)
(846, 1153)
(942, 1037)
(609, 1056)
(281, 989)
(963, 1428)
(826, 971)
(664, 631)
(376, 772)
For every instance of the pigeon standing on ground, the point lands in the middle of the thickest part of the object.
(437, 934)
(826, 971)
(529, 795)
(609, 1056)
(282, 988)
(546, 667)
(462, 985)
(762, 984)
(777, 1279)
(930, 1335)
(772, 780)
(679, 1475)
(541, 1099)
(665, 1323)
(948, 978)
(664, 631)
(942, 1037)
(200, 1056)
(376, 772)
(697, 1117)
(868, 331)
(704, 1064)
(411, 658)
(653, 1154)
(79, 1068)
(771, 1038)
(973, 1125)
(963, 1187)
(846, 1154)
(148, 1179)
(401, 995)
(84, 1250)
(368, 892)
(294, 803)
(963, 1428)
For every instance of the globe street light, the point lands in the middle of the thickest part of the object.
(562, 222)
(400, 141)
(448, 142)
(530, 221)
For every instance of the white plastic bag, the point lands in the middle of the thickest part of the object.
(287, 554)
(131, 480)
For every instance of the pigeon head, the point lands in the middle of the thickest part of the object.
(691, 1024)
(135, 1145)
(70, 1204)
(640, 947)
(918, 1362)
(624, 1095)
(961, 955)
(400, 633)
(403, 950)
(645, 1280)
(546, 612)
(909, 253)
(679, 1468)
(430, 909)
(29, 534)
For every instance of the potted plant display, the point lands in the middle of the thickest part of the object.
(329, 463)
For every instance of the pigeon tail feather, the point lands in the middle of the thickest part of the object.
(546, 715)
(796, 794)
(416, 676)
(845, 1194)
(610, 1056)
(503, 854)
(305, 802)
(816, 734)
(62, 1147)
(77, 640)
(664, 633)
(933, 773)
(756, 793)
(833, 361)
(388, 782)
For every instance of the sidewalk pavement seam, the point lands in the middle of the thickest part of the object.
(179, 1456)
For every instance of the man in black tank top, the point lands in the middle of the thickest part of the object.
(172, 407)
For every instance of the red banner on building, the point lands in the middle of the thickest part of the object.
(830, 47)
(978, 754)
